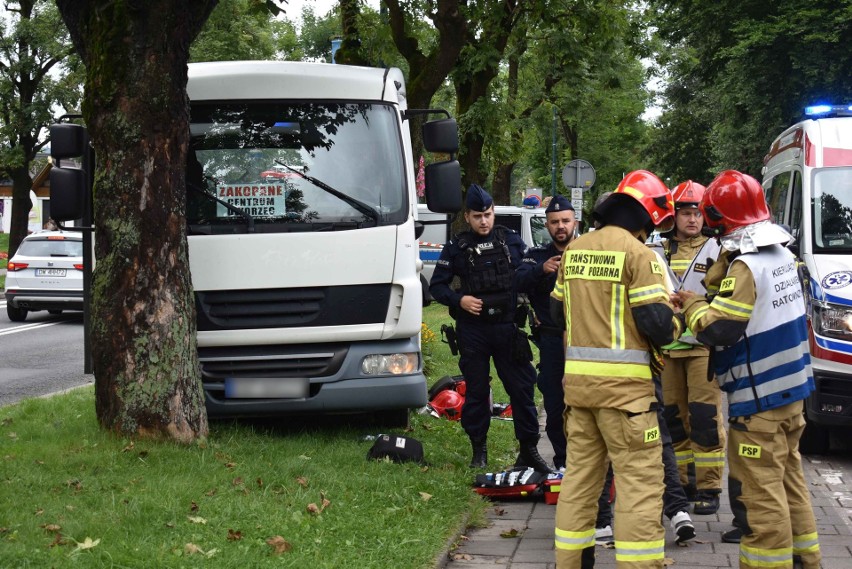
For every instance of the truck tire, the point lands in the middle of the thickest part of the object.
(815, 439)
(16, 314)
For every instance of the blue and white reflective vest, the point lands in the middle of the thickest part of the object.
(770, 365)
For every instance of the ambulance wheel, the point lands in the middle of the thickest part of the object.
(445, 382)
(16, 314)
(815, 439)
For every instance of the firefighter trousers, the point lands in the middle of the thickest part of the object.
(692, 408)
(767, 479)
(632, 442)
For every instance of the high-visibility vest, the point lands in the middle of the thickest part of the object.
(770, 366)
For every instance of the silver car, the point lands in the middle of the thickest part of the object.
(46, 273)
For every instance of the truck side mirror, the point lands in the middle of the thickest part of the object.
(67, 193)
(441, 135)
(68, 185)
(443, 187)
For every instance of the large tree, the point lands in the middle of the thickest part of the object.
(135, 105)
(752, 66)
(242, 30)
(35, 75)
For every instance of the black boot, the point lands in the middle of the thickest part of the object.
(529, 457)
(480, 453)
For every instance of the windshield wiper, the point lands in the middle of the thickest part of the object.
(232, 208)
(355, 203)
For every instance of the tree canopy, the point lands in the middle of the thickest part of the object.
(37, 74)
(744, 71)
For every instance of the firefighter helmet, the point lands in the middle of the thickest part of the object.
(733, 200)
(448, 403)
(652, 194)
(687, 194)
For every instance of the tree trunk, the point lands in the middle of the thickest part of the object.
(501, 187)
(147, 380)
(21, 205)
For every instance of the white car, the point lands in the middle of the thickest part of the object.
(46, 273)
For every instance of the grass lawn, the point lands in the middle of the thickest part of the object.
(283, 493)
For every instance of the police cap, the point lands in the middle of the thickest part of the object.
(559, 203)
(478, 199)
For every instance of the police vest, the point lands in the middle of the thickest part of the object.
(489, 264)
(770, 366)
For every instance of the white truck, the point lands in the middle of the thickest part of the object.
(301, 220)
(807, 178)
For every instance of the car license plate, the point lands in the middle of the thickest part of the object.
(266, 388)
(50, 272)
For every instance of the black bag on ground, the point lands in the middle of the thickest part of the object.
(397, 448)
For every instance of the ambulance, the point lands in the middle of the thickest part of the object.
(807, 178)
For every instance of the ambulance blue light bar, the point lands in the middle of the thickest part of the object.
(826, 110)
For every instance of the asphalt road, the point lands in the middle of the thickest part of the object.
(40, 356)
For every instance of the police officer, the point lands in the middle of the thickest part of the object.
(536, 277)
(693, 405)
(611, 296)
(485, 259)
(757, 324)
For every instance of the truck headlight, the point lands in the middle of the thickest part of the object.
(833, 320)
(389, 364)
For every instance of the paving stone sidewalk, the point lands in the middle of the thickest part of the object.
(533, 520)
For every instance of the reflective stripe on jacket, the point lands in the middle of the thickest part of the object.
(602, 276)
(769, 366)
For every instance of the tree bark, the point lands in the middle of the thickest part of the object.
(427, 71)
(472, 85)
(147, 380)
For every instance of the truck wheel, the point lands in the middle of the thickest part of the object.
(815, 439)
(16, 314)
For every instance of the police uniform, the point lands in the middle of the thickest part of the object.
(532, 280)
(764, 367)
(486, 270)
(692, 404)
(611, 288)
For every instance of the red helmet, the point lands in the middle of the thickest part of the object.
(652, 194)
(448, 403)
(733, 200)
(688, 194)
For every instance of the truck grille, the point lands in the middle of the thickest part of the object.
(307, 360)
(292, 307)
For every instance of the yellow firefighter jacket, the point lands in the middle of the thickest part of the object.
(604, 275)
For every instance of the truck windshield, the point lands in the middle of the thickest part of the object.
(832, 210)
(285, 167)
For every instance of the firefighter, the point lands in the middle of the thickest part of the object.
(611, 298)
(536, 276)
(692, 404)
(756, 321)
(485, 259)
